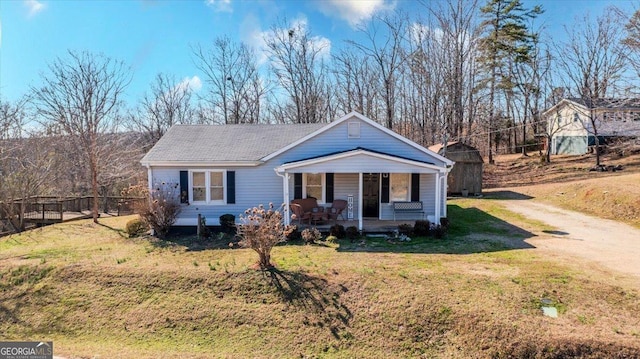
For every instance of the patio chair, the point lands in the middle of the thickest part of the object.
(336, 209)
(300, 214)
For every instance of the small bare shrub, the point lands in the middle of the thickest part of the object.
(162, 209)
(261, 229)
(311, 235)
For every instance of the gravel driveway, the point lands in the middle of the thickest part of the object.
(613, 244)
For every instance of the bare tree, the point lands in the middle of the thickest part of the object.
(168, 103)
(82, 94)
(385, 47)
(26, 162)
(356, 84)
(236, 89)
(297, 62)
(592, 63)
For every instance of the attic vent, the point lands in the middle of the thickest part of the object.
(353, 130)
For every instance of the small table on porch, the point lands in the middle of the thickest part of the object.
(318, 215)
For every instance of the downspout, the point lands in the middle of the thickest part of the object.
(149, 180)
(150, 187)
(285, 196)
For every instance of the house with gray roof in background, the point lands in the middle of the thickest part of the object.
(572, 131)
(224, 169)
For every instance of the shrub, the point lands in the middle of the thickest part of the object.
(228, 223)
(136, 227)
(311, 235)
(405, 229)
(162, 208)
(294, 235)
(444, 222)
(439, 231)
(352, 232)
(332, 239)
(337, 230)
(421, 228)
(261, 229)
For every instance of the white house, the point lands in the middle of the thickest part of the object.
(569, 123)
(229, 168)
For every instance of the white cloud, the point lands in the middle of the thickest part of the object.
(34, 7)
(220, 5)
(193, 83)
(354, 12)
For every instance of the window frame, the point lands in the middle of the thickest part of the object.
(323, 185)
(207, 179)
(356, 127)
(391, 186)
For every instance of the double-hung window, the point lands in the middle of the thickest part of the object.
(207, 187)
(400, 185)
(314, 186)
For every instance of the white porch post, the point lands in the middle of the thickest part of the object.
(438, 198)
(285, 191)
(444, 189)
(360, 185)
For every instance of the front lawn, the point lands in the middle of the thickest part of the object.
(476, 293)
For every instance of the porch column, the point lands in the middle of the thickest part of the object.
(360, 185)
(445, 182)
(438, 198)
(285, 191)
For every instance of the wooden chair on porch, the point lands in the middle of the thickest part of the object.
(336, 209)
(300, 214)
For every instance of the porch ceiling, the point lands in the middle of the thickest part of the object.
(359, 161)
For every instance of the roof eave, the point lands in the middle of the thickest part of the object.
(298, 164)
(201, 163)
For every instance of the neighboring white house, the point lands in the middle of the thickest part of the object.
(229, 168)
(569, 123)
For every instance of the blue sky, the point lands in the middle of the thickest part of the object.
(154, 36)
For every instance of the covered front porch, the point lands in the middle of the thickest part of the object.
(371, 182)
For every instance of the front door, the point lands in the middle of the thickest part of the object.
(370, 195)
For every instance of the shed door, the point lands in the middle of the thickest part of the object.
(370, 195)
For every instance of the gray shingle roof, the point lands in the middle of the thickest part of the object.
(225, 143)
(609, 103)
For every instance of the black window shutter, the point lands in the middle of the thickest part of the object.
(184, 186)
(384, 196)
(415, 187)
(231, 186)
(297, 185)
(329, 184)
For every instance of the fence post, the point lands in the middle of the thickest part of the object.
(61, 208)
(43, 212)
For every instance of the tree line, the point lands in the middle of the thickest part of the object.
(468, 70)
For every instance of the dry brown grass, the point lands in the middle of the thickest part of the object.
(96, 293)
(567, 183)
(516, 170)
